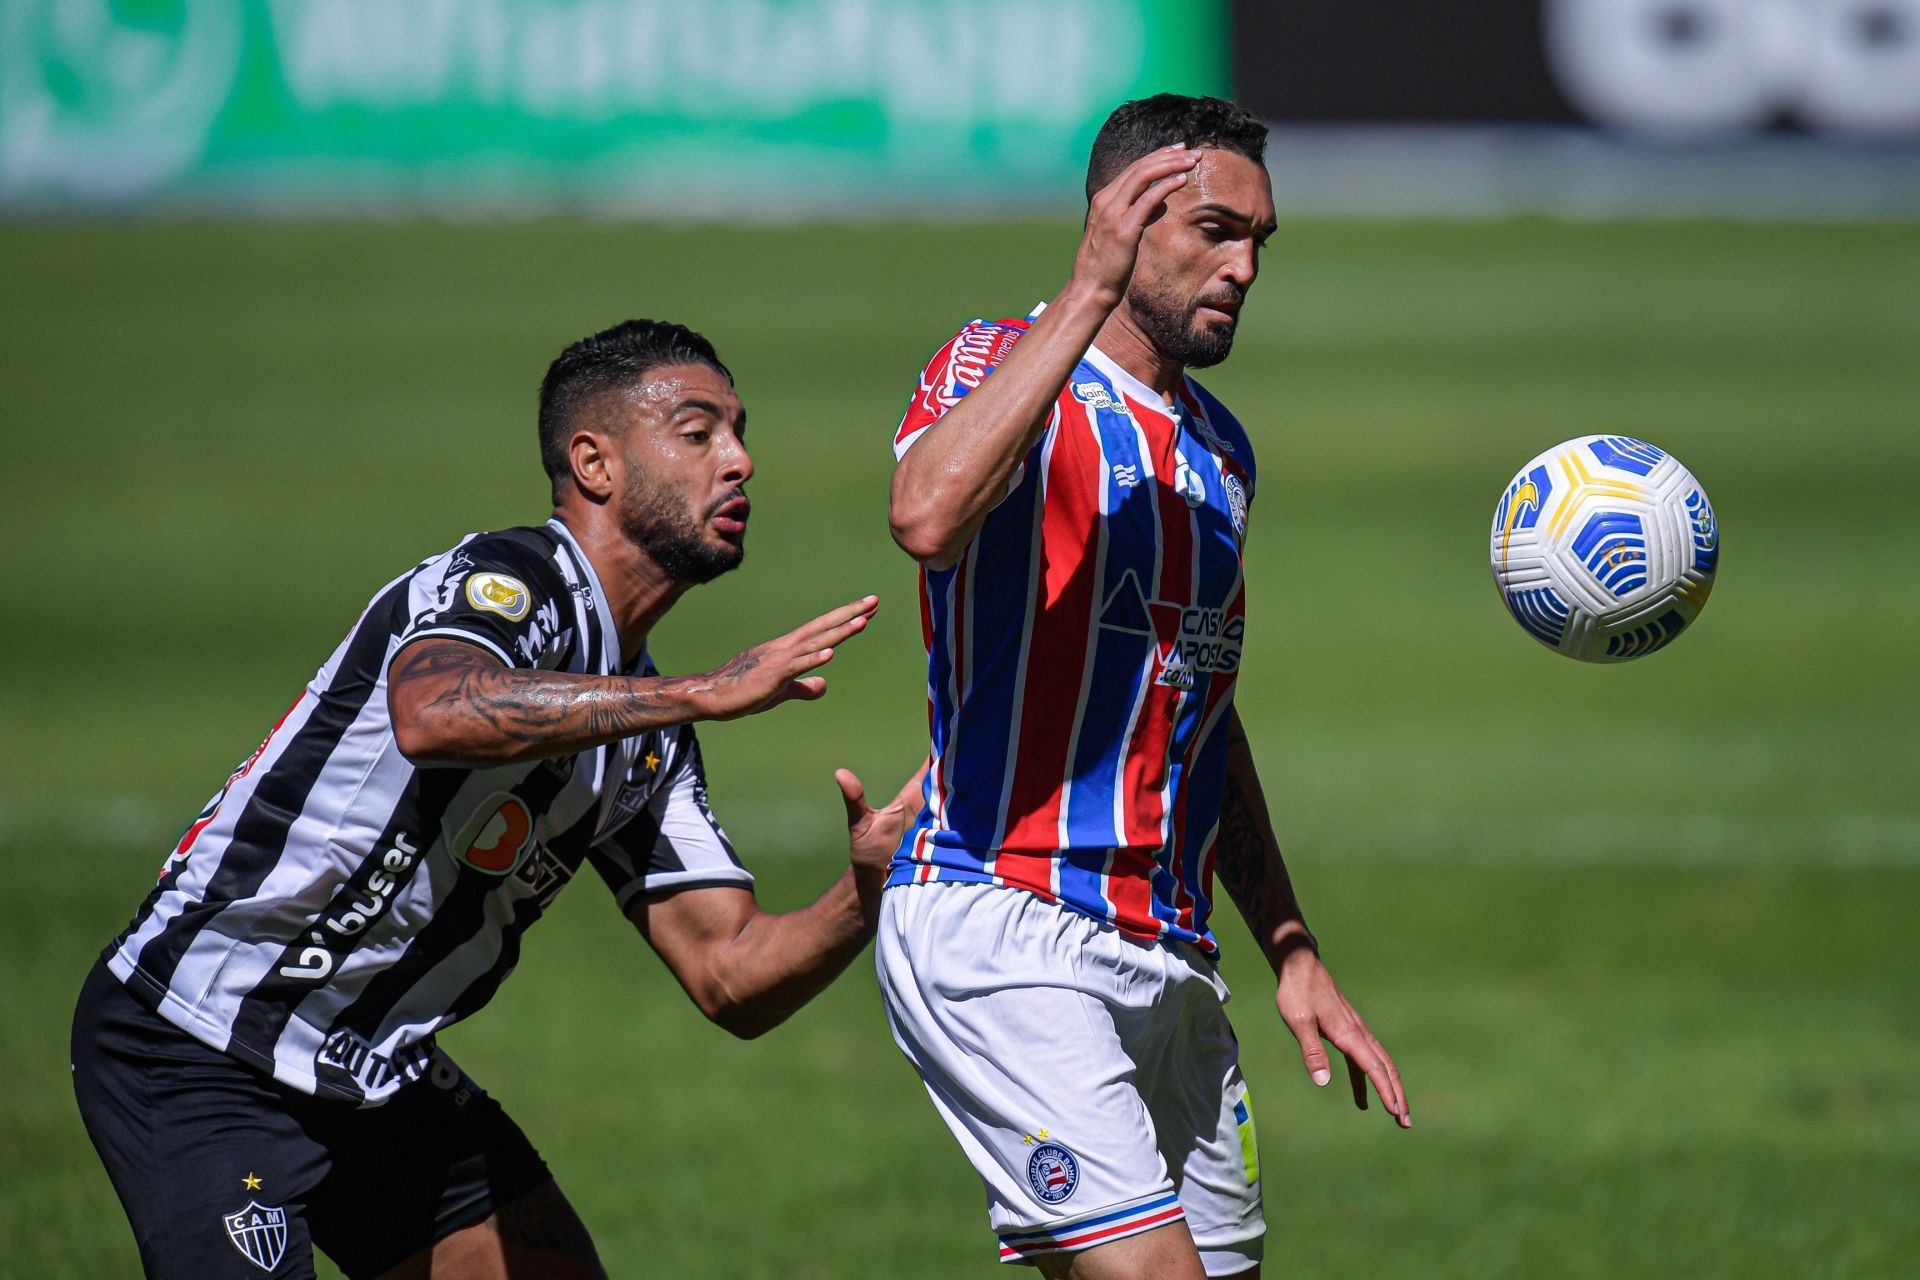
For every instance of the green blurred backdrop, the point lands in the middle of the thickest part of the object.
(1641, 937)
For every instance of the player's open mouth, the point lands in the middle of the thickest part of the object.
(731, 519)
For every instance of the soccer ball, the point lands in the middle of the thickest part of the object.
(1604, 548)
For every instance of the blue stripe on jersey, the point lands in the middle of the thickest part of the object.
(1118, 645)
(1218, 555)
(1123, 635)
(979, 784)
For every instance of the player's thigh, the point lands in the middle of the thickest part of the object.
(1021, 1054)
(211, 1166)
(439, 1158)
(1164, 1253)
(537, 1235)
(1203, 1116)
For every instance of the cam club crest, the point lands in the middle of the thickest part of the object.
(259, 1233)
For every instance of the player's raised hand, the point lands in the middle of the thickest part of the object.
(1118, 216)
(874, 834)
(769, 674)
(1313, 1009)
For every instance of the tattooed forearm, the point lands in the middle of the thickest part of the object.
(1247, 857)
(1242, 852)
(453, 703)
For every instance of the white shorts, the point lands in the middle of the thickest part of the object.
(1093, 1079)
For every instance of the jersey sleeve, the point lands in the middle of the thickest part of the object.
(674, 842)
(957, 368)
(495, 592)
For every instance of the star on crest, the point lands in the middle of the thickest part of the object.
(652, 762)
(251, 1182)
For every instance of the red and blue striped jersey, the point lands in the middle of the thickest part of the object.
(1081, 654)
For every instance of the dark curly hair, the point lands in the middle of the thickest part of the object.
(612, 359)
(1147, 124)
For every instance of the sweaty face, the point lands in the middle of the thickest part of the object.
(1199, 259)
(684, 502)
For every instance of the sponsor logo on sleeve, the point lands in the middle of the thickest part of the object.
(497, 593)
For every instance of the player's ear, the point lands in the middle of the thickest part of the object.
(593, 464)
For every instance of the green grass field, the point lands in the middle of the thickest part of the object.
(1642, 938)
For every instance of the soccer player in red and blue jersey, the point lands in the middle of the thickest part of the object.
(1044, 948)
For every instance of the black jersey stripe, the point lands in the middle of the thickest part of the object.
(569, 850)
(260, 835)
(455, 921)
(265, 1010)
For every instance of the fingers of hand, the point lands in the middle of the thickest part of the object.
(805, 690)
(1355, 1039)
(853, 794)
(1306, 1029)
(1398, 1102)
(1149, 169)
(805, 661)
(1357, 1077)
(836, 618)
(1150, 204)
(1367, 1061)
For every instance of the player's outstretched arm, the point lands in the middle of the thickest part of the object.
(749, 970)
(1247, 858)
(954, 474)
(455, 704)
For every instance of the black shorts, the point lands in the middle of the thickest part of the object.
(226, 1173)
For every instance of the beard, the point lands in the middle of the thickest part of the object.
(1173, 325)
(674, 537)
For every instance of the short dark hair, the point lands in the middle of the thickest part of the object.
(612, 359)
(1147, 124)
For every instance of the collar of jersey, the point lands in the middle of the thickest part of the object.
(609, 633)
(1130, 386)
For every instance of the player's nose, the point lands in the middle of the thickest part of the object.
(1244, 265)
(736, 466)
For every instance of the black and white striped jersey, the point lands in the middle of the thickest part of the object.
(335, 905)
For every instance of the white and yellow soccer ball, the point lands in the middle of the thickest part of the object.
(1604, 548)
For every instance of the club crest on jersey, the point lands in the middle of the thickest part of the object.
(259, 1232)
(1095, 396)
(1052, 1172)
(498, 836)
(1237, 504)
(497, 593)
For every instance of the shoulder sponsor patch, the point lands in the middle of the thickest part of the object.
(497, 593)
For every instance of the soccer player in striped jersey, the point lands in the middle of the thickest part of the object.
(1078, 505)
(255, 1056)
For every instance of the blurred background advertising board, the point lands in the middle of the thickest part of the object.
(747, 108)
(763, 109)
(1742, 108)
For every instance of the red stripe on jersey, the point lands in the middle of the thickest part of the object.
(1144, 776)
(1057, 658)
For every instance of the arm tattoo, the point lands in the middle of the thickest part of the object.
(478, 696)
(1245, 855)
(1241, 852)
